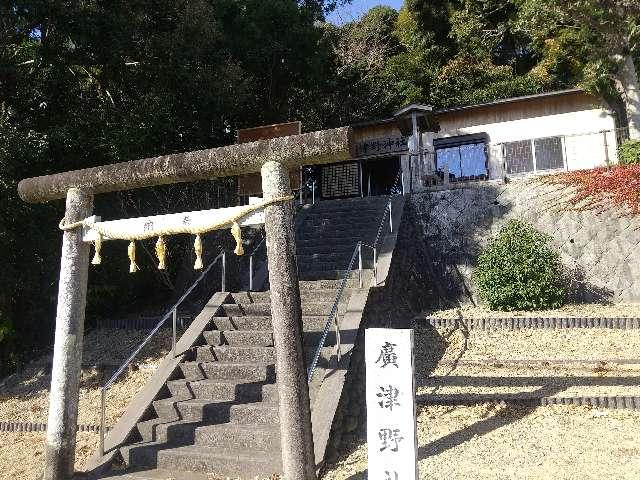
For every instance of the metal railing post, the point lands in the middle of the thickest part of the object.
(313, 192)
(402, 180)
(251, 273)
(360, 263)
(375, 266)
(175, 327)
(102, 408)
(224, 271)
(301, 178)
(390, 218)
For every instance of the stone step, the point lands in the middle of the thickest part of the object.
(264, 309)
(155, 474)
(362, 219)
(142, 454)
(315, 243)
(319, 248)
(207, 353)
(253, 338)
(344, 235)
(332, 283)
(248, 372)
(344, 206)
(318, 265)
(310, 322)
(239, 437)
(319, 295)
(328, 275)
(224, 464)
(234, 391)
(198, 410)
(343, 257)
(166, 409)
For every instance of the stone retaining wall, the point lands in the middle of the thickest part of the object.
(600, 250)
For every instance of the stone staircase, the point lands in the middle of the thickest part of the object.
(218, 414)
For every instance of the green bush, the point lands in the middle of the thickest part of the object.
(519, 270)
(629, 152)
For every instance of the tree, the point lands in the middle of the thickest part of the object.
(592, 42)
(84, 83)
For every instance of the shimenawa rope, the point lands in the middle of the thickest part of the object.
(161, 249)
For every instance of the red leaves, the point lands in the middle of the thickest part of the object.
(599, 188)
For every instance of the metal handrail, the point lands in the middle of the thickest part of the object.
(172, 312)
(334, 311)
(357, 250)
(251, 263)
(399, 177)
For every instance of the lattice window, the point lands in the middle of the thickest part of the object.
(534, 155)
(549, 153)
(518, 157)
(341, 180)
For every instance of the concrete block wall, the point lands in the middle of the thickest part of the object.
(600, 249)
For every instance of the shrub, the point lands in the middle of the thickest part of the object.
(629, 153)
(519, 270)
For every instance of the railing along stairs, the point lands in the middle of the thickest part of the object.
(333, 319)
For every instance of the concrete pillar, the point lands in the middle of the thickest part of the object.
(295, 416)
(60, 448)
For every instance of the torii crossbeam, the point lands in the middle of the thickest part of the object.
(273, 158)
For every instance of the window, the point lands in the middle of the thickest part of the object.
(464, 156)
(549, 153)
(533, 155)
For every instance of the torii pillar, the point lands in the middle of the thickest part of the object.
(274, 158)
(66, 371)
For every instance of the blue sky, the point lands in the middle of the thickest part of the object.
(358, 7)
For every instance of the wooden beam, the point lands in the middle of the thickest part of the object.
(325, 146)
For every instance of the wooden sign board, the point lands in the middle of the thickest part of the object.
(140, 225)
(391, 406)
(267, 132)
(252, 184)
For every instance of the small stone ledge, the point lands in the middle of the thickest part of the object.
(618, 402)
(533, 322)
(41, 427)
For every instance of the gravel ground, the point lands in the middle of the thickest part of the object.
(486, 442)
(22, 454)
(25, 397)
(521, 379)
(502, 345)
(589, 310)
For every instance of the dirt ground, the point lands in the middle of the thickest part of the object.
(487, 442)
(22, 454)
(24, 397)
(542, 345)
(589, 310)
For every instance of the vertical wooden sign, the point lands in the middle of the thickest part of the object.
(391, 406)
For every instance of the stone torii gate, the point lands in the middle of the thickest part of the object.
(273, 158)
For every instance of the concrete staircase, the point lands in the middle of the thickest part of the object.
(218, 414)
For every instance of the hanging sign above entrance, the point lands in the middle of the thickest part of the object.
(382, 146)
(391, 411)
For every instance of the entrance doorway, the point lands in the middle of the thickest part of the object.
(380, 175)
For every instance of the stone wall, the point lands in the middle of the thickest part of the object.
(601, 251)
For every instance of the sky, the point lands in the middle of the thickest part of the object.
(355, 10)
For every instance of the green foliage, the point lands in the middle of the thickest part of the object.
(629, 152)
(519, 270)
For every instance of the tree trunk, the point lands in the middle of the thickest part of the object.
(628, 79)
